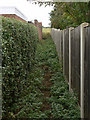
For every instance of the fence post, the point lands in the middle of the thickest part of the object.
(82, 42)
(71, 28)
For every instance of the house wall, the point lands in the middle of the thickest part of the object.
(36, 23)
(12, 16)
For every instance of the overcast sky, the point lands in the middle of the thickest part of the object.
(31, 11)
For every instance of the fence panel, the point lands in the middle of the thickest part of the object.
(87, 74)
(66, 55)
(0, 80)
(61, 45)
(58, 42)
(72, 59)
(55, 33)
(77, 61)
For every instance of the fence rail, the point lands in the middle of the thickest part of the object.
(73, 47)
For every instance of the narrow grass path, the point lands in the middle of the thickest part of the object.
(47, 93)
(46, 84)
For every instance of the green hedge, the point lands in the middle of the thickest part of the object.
(19, 41)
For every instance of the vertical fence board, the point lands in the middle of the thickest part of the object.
(58, 42)
(61, 45)
(64, 52)
(66, 42)
(86, 66)
(72, 59)
(87, 74)
(0, 81)
(77, 60)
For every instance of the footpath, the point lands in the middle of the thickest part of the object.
(48, 94)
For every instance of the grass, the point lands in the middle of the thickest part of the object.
(64, 104)
(59, 101)
(46, 33)
(46, 30)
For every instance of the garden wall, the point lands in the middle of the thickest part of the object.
(39, 27)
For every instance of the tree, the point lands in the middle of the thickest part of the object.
(66, 14)
(69, 14)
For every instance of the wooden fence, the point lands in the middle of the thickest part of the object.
(73, 47)
(0, 69)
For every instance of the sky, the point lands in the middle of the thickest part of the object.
(31, 11)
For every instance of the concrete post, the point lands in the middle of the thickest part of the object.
(82, 42)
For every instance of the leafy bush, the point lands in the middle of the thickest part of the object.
(45, 35)
(19, 41)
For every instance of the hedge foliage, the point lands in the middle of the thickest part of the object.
(19, 41)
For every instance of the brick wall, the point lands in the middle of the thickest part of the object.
(36, 23)
(39, 27)
(12, 16)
